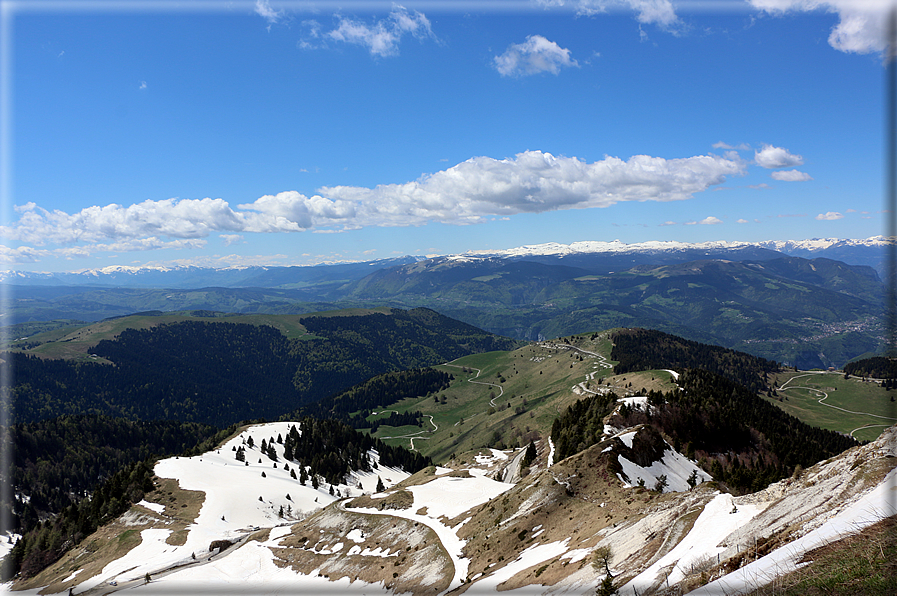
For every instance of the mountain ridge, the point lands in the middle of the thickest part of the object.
(244, 274)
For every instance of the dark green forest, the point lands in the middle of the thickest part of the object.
(581, 425)
(220, 373)
(354, 405)
(877, 367)
(646, 349)
(58, 462)
(735, 435)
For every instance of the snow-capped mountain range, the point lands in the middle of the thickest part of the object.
(867, 251)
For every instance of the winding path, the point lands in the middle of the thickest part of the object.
(825, 396)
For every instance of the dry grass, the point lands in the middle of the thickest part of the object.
(116, 539)
(864, 564)
(414, 560)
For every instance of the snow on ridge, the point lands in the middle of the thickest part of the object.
(675, 466)
(617, 246)
(238, 500)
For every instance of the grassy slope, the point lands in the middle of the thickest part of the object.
(73, 342)
(544, 377)
(804, 390)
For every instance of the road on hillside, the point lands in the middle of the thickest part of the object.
(107, 588)
(825, 396)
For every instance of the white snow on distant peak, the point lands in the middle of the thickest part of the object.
(616, 246)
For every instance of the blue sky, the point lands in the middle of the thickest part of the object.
(271, 133)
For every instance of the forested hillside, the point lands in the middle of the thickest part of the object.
(877, 367)
(330, 450)
(354, 405)
(645, 349)
(219, 373)
(75, 473)
(734, 434)
(59, 461)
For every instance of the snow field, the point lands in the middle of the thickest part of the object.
(871, 507)
(448, 496)
(705, 540)
(638, 401)
(531, 556)
(675, 466)
(232, 510)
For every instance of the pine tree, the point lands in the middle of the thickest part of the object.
(380, 487)
(530, 455)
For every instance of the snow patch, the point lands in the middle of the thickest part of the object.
(152, 506)
(717, 523)
(627, 438)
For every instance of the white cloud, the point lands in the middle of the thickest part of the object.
(142, 85)
(533, 56)
(533, 182)
(739, 147)
(657, 12)
(169, 217)
(710, 221)
(776, 157)
(668, 223)
(861, 28)
(741, 221)
(470, 192)
(230, 239)
(382, 37)
(22, 254)
(791, 176)
(829, 216)
(760, 186)
(264, 10)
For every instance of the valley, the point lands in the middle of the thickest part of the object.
(787, 302)
(617, 475)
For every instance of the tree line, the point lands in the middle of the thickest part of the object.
(646, 349)
(877, 367)
(735, 435)
(220, 372)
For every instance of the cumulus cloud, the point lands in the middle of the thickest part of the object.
(169, 217)
(22, 254)
(534, 182)
(829, 216)
(533, 56)
(861, 27)
(741, 221)
(470, 192)
(381, 37)
(791, 176)
(776, 157)
(710, 221)
(656, 12)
